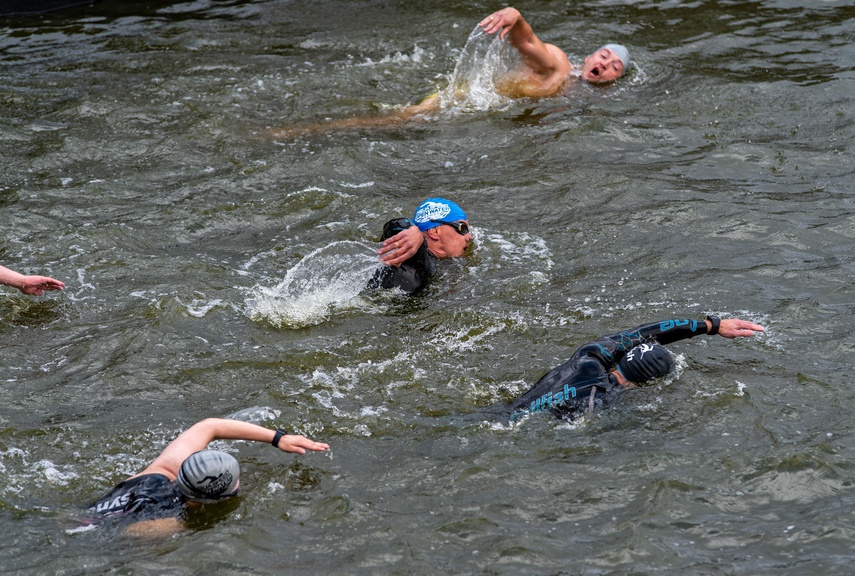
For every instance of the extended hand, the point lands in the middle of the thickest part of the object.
(299, 444)
(502, 20)
(401, 247)
(734, 327)
(36, 285)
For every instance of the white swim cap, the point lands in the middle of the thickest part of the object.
(209, 475)
(621, 52)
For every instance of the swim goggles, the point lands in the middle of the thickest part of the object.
(459, 226)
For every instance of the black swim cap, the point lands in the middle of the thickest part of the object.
(645, 362)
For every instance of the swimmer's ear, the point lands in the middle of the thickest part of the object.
(432, 233)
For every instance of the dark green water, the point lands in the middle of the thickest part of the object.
(214, 271)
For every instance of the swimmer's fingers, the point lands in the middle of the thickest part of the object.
(398, 256)
(502, 21)
(490, 25)
(488, 21)
(36, 285)
(401, 247)
(734, 327)
(299, 444)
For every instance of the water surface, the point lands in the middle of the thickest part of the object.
(212, 270)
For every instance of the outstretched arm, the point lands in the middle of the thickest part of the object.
(541, 57)
(614, 346)
(32, 285)
(198, 436)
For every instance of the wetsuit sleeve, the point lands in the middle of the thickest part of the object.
(611, 348)
(394, 226)
(667, 331)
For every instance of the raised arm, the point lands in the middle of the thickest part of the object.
(541, 57)
(198, 436)
(31, 285)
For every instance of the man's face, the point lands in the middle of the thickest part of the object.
(452, 243)
(601, 67)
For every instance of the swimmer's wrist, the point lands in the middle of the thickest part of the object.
(277, 437)
(715, 323)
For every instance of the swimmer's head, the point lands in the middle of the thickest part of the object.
(645, 362)
(621, 52)
(607, 64)
(436, 211)
(209, 475)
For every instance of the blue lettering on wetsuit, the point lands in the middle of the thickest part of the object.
(666, 325)
(550, 399)
(606, 354)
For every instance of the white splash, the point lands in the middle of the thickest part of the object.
(329, 278)
(199, 308)
(255, 414)
(482, 61)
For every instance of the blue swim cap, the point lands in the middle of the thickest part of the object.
(621, 52)
(434, 211)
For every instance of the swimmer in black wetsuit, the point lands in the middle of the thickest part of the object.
(185, 471)
(439, 229)
(598, 371)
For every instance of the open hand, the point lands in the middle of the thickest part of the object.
(299, 444)
(399, 248)
(734, 327)
(36, 285)
(502, 20)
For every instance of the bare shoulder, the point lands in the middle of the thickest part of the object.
(562, 62)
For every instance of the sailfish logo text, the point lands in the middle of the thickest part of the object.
(552, 399)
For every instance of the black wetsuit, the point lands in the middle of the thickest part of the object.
(584, 382)
(413, 274)
(145, 497)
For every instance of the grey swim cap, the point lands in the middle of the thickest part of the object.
(209, 475)
(645, 362)
(621, 52)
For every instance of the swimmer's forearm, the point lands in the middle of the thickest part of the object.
(672, 330)
(11, 278)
